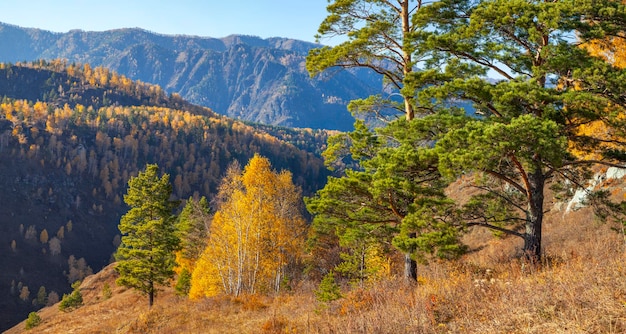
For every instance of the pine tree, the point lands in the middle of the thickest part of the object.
(72, 301)
(192, 226)
(146, 255)
(42, 296)
(530, 130)
(530, 118)
(378, 38)
(33, 320)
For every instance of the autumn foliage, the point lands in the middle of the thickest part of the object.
(76, 134)
(256, 235)
(96, 123)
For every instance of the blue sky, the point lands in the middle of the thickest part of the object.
(297, 19)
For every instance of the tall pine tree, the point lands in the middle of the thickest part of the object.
(146, 256)
(535, 92)
(530, 119)
(378, 35)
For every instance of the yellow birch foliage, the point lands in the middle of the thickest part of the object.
(612, 50)
(215, 269)
(378, 264)
(182, 263)
(256, 234)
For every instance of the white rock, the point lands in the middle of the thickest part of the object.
(615, 173)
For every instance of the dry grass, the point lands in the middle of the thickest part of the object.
(580, 288)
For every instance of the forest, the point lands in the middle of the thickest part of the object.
(71, 138)
(510, 219)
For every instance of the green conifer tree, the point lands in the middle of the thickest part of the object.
(192, 228)
(146, 255)
(33, 320)
(42, 296)
(328, 290)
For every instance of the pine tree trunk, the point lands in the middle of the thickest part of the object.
(151, 295)
(410, 265)
(406, 57)
(534, 219)
(410, 268)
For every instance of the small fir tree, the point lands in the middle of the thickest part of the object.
(192, 230)
(184, 283)
(42, 296)
(33, 320)
(73, 300)
(328, 290)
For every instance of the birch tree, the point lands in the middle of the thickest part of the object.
(257, 232)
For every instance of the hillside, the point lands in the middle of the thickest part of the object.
(580, 289)
(71, 137)
(243, 77)
(51, 82)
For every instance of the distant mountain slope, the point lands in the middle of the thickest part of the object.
(70, 139)
(244, 77)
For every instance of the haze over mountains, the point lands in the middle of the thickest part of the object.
(243, 77)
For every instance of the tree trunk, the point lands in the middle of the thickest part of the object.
(409, 112)
(406, 57)
(410, 268)
(151, 295)
(534, 219)
(410, 265)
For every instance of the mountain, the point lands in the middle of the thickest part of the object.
(72, 136)
(243, 77)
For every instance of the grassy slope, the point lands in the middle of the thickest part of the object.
(580, 289)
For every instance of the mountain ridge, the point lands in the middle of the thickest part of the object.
(240, 76)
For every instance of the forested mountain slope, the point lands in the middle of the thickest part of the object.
(70, 138)
(243, 77)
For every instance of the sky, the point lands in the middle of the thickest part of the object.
(297, 19)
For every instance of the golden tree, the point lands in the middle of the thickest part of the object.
(606, 130)
(256, 234)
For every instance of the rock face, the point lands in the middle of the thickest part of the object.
(600, 179)
(244, 77)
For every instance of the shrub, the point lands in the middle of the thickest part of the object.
(184, 283)
(275, 325)
(251, 302)
(73, 300)
(33, 320)
(106, 291)
(328, 290)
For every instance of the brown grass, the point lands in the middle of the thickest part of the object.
(580, 288)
